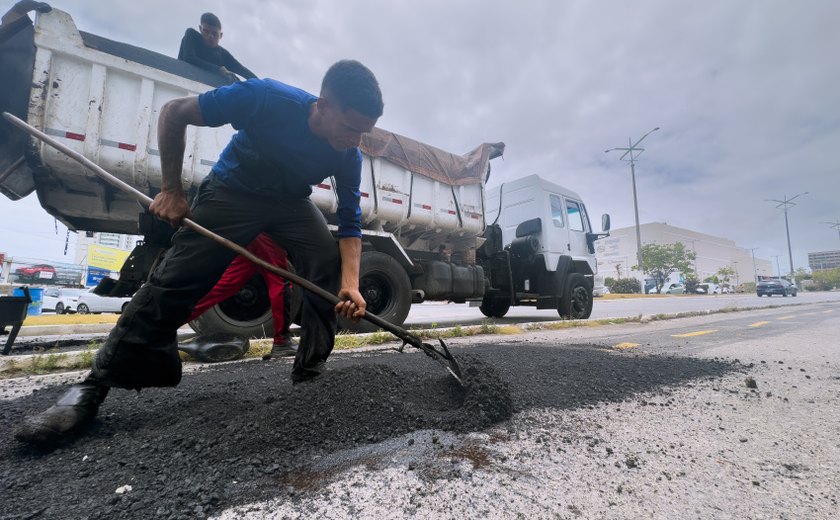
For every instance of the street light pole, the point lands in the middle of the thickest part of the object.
(632, 150)
(785, 204)
(778, 269)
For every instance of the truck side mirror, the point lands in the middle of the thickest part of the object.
(605, 222)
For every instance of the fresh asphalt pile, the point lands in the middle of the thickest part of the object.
(238, 433)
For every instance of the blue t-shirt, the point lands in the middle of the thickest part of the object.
(274, 153)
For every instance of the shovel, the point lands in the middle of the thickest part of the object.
(441, 354)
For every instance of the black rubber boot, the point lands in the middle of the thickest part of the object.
(286, 347)
(74, 410)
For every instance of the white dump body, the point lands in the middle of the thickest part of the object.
(103, 99)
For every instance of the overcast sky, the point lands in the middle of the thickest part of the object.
(747, 95)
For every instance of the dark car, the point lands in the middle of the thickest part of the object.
(771, 287)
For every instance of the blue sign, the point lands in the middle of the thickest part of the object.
(95, 275)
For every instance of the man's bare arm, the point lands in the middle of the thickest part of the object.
(171, 203)
(353, 304)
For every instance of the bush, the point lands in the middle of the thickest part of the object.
(691, 285)
(608, 282)
(625, 286)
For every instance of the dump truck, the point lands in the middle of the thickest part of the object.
(431, 228)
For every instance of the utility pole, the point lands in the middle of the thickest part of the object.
(694, 250)
(834, 225)
(755, 271)
(785, 204)
(634, 152)
(778, 269)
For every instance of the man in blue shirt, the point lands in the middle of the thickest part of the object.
(287, 141)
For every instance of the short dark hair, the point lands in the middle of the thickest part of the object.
(211, 19)
(354, 86)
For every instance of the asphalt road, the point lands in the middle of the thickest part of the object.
(441, 314)
(730, 415)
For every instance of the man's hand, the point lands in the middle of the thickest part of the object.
(352, 305)
(228, 74)
(170, 206)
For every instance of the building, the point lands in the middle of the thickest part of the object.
(616, 254)
(84, 239)
(824, 260)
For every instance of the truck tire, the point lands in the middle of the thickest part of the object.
(386, 288)
(247, 313)
(494, 307)
(576, 301)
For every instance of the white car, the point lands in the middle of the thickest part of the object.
(708, 288)
(669, 288)
(90, 302)
(61, 299)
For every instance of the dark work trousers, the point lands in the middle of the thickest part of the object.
(141, 350)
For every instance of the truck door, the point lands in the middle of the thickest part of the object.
(578, 227)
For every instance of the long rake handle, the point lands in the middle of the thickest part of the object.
(146, 200)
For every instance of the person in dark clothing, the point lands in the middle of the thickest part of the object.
(287, 141)
(201, 48)
(21, 10)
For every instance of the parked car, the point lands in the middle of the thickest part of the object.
(43, 273)
(61, 299)
(771, 287)
(673, 288)
(92, 303)
(708, 288)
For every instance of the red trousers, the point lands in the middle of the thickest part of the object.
(241, 270)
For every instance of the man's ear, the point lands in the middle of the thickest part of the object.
(323, 104)
(220, 35)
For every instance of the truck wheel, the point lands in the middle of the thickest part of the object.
(494, 307)
(576, 302)
(247, 313)
(385, 287)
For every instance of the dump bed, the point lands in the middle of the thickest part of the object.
(102, 98)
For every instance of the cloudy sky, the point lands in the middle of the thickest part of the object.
(746, 94)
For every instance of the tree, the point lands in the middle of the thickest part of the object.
(801, 274)
(725, 273)
(661, 261)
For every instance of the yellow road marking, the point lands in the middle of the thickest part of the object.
(785, 317)
(759, 323)
(690, 334)
(622, 346)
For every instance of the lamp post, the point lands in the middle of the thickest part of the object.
(785, 204)
(634, 151)
(778, 269)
